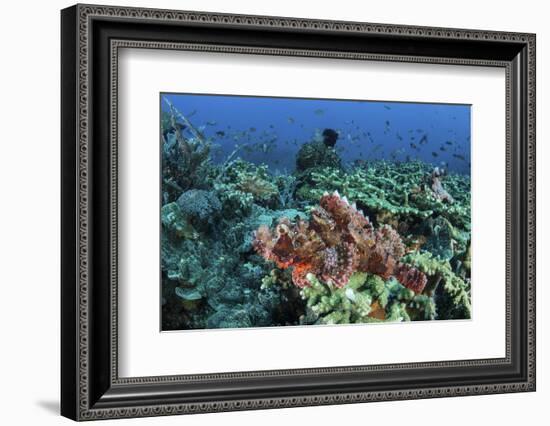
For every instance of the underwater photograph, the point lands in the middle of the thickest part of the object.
(279, 211)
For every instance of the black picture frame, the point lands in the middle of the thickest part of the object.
(90, 386)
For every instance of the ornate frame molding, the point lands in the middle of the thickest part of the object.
(79, 21)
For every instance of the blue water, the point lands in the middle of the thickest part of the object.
(271, 130)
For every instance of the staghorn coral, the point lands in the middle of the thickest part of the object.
(393, 192)
(337, 241)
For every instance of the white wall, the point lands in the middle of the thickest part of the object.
(29, 225)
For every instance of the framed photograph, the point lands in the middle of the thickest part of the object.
(263, 212)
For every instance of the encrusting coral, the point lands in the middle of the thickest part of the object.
(337, 241)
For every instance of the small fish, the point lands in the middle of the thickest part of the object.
(442, 148)
(387, 123)
(434, 154)
(449, 142)
(387, 107)
(460, 157)
(319, 111)
(399, 136)
(252, 129)
(376, 148)
(271, 126)
(413, 145)
(419, 130)
(211, 123)
(291, 120)
(220, 133)
(423, 140)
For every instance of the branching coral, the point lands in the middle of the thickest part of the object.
(394, 192)
(243, 184)
(366, 298)
(452, 291)
(337, 241)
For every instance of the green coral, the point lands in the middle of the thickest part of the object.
(366, 298)
(241, 184)
(452, 292)
(395, 189)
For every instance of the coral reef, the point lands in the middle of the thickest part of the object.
(451, 292)
(319, 152)
(185, 157)
(437, 187)
(366, 298)
(242, 184)
(394, 193)
(332, 242)
(201, 207)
